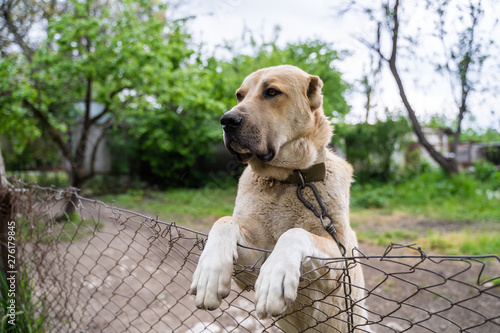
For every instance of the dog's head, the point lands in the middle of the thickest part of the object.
(278, 124)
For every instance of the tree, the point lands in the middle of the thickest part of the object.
(462, 58)
(123, 55)
(182, 127)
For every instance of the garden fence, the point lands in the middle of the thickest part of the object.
(108, 269)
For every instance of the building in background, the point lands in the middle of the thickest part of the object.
(467, 152)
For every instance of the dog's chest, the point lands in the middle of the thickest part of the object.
(274, 210)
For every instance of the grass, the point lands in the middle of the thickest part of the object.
(29, 314)
(194, 208)
(433, 195)
(462, 215)
(70, 229)
(463, 242)
(45, 178)
(384, 238)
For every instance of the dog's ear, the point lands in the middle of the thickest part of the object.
(314, 92)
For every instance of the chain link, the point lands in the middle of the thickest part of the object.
(405, 285)
(330, 228)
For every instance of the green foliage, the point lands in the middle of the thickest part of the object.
(161, 99)
(189, 207)
(17, 126)
(368, 196)
(434, 194)
(116, 50)
(313, 56)
(471, 135)
(369, 148)
(385, 238)
(487, 242)
(170, 141)
(35, 154)
(130, 60)
(486, 172)
(30, 314)
(45, 178)
(492, 154)
(466, 242)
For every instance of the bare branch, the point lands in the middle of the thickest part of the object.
(448, 164)
(107, 107)
(6, 10)
(373, 47)
(395, 34)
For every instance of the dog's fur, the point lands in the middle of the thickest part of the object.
(279, 126)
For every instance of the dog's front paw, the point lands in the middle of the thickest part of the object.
(212, 278)
(276, 286)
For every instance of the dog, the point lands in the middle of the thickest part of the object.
(279, 129)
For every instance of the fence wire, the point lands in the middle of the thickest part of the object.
(107, 269)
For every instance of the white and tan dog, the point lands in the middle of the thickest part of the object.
(279, 127)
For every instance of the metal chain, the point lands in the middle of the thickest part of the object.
(330, 228)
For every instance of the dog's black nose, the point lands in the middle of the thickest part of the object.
(231, 119)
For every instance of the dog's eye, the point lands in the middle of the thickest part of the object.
(272, 92)
(239, 97)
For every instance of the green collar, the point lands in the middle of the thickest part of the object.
(315, 173)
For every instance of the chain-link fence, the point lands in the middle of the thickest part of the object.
(107, 269)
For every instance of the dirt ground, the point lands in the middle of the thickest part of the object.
(132, 275)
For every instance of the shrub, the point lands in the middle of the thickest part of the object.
(434, 194)
(369, 148)
(486, 171)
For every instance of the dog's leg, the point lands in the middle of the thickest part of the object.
(278, 280)
(212, 277)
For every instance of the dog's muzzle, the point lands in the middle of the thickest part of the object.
(232, 123)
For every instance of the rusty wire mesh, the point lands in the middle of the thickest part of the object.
(107, 269)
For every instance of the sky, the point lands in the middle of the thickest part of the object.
(220, 20)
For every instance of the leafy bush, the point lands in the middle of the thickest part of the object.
(369, 197)
(434, 194)
(486, 171)
(370, 148)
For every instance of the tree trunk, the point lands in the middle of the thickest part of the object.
(449, 164)
(77, 182)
